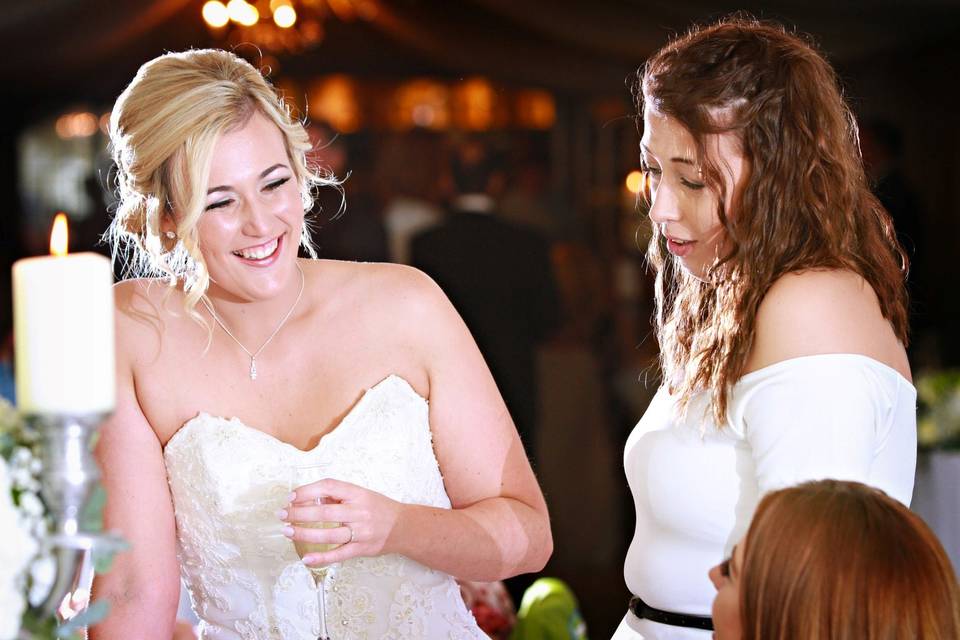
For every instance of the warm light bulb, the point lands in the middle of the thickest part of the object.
(243, 12)
(76, 125)
(63, 126)
(215, 13)
(284, 16)
(251, 16)
(423, 115)
(635, 181)
(235, 9)
(59, 236)
(84, 124)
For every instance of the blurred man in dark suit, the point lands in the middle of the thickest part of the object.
(498, 275)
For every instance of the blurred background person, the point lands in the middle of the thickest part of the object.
(577, 448)
(499, 277)
(526, 196)
(348, 223)
(411, 179)
(497, 274)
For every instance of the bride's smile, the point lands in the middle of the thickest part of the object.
(250, 228)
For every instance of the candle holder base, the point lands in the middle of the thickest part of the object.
(75, 556)
(68, 479)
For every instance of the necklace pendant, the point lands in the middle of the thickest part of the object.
(253, 368)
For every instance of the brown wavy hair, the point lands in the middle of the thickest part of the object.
(891, 578)
(804, 202)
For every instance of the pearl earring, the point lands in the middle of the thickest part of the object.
(169, 235)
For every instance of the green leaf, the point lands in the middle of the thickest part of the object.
(92, 518)
(103, 562)
(38, 626)
(93, 614)
(104, 553)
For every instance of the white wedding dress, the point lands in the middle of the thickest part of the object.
(245, 579)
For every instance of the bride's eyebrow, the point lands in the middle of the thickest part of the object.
(263, 174)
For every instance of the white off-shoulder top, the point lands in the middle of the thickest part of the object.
(695, 487)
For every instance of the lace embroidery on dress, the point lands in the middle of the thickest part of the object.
(245, 579)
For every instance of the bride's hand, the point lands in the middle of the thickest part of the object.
(366, 520)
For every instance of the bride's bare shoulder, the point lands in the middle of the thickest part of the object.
(143, 299)
(144, 310)
(395, 299)
(377, 285)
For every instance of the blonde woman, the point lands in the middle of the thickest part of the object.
(832, 560)
(237, 361)
(781, 311)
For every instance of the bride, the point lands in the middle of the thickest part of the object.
(237, 362)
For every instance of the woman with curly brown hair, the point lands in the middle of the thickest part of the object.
(786, 580)
(781, 309)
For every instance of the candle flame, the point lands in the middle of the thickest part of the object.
(59, 236)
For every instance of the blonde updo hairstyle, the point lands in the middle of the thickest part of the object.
(163, 129)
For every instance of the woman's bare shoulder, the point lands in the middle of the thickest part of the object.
(140, 294)
(396, 307)
(144, 311)
(823, 311)
(831, 288)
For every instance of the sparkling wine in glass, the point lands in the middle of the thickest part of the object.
(301, 475)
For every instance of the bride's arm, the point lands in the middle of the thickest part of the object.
(499, 525)
(142, 586)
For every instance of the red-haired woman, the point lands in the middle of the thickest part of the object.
(832, 560)
(781, 309)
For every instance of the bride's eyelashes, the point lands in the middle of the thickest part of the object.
(217, 205)
(276, 184)
(273, 186)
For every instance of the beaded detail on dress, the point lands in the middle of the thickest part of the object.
(245, 579)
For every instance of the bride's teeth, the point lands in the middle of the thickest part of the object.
(258, 253)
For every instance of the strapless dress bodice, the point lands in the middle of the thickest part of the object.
(245, 579)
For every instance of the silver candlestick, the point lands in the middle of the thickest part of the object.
(70, 474)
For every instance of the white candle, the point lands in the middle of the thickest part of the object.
(63, 333)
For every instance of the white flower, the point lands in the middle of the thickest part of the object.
(17, 550)
(31, 506)
(24, 469)
(43, 572)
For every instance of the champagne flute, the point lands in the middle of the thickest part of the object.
(299, 476)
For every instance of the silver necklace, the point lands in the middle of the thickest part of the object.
(253, 356)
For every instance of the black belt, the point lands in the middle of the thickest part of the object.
(645, 612)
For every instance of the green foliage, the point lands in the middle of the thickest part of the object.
(38, 626)
(74, 628)
(104, 553)
(92, 517)
(938, 420)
